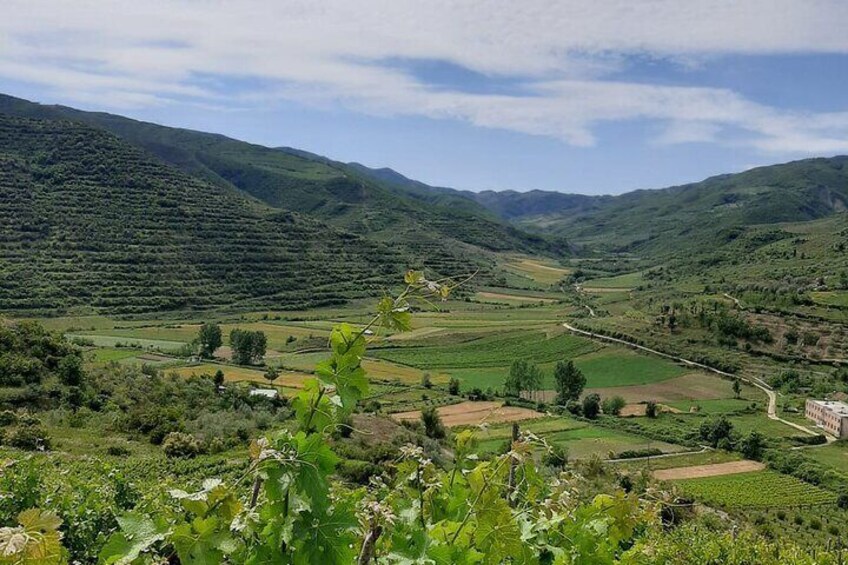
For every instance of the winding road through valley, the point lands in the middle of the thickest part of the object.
(772, 395)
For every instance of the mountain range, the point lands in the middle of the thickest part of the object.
(106, 212)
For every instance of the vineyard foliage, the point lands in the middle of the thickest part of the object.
(757, 489)
(287, 505)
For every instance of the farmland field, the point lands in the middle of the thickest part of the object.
(475, 413)
(759, 489)
(627, 281)
(232, 373)
(535, 269)
(581, 439)
(614, 367)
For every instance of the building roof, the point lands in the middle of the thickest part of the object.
(272, 393)
(834, 406)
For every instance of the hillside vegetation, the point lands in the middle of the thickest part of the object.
(341, 195)
(88, 220)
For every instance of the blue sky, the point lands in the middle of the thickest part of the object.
(599, 97)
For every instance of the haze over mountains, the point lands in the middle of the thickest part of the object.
(102, 209)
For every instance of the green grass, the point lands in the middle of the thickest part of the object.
(630, 280)
(112, 341)
(834, 455)
(107, 354)
(492, 351)
(716, 406)
(618, 367)
(760, 489)
(581, 439)
(688, 460)
(831, 298)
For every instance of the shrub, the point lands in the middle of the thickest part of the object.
(178, 444)
(556, 456)
(591, 406)
(8, 418)
(612, 406)
(29, 438)
(433, 427)
(118, 451)
(636, 453)
(651, 409)
(453, 386)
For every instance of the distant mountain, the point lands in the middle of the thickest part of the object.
(678, 218)
(512, 205)
(88, 220)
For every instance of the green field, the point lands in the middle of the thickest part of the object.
(629, 280)
(760, 489)
(620, 367)
(494, 351)
(831, 298)
(581, 439)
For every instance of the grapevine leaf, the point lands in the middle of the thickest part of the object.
(138, 534)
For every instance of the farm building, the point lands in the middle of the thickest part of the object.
(831, 415)
(266, 392)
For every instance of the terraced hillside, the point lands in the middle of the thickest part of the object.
(88, 220)
(326, 190)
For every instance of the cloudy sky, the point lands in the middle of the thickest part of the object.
(586, 96)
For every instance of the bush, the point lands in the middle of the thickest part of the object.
(453, 386)
(591, 406)
(432, 422)
(29, 438)
(8, 418)
(118, 451)
(556, 456)
(178, 444)
(651, 409)
(636, 453)
(612, 406)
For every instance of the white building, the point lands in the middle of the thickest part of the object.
(831, 415)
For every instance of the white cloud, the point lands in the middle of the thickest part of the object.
(121, 53)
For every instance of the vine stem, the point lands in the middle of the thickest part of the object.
(476, 500)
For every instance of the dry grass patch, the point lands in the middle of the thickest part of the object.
(692, 386)
(501, 297)
(288, 379)
(475, 413)
(632, 410)
(713, 470)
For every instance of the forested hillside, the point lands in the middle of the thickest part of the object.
(683, 218)
(88, 220)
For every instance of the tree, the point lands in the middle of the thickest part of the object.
(612, 406)
(569, 381)
(737, 388)
(453, 386)
(248, 347)
(533, 381)
(716, 431)
(271, 374)
(591, 406)
(426, 382)
(514, 383)
(70, 370)
(219, 378)
(753, 445)
(433, 427)
(209, 338)
(651, 409)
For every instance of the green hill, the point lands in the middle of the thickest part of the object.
(683, 218)
(341, 195)
(89, 220)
